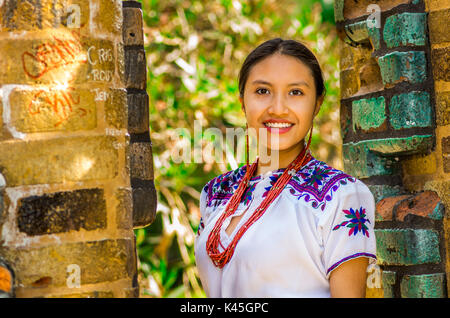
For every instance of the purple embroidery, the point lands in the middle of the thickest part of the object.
(315, 182)
(201, 226)
(348, 258)
(356, 219)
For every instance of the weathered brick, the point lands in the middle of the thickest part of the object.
(441, 67)
(425, 204)
(381, 191)
(349, 83)
(132, 29)
(108, 17)
(405, 29)
(138, 113)
(116, 110)
(443, 108)
(338, 10)
(410, 110)
(124, 208)
(423, 286)
(438, 24)
(358, 31)
(141, 160)
(374, 36)
(346, 56)
(52, 109)
(433, 5)
(396, 67)
(25, 15)
(401, 145)
(360, 162)
(135, 68)
(446, 163)
(144, 205)
(99, 261)
(389, 279)
(445, 145)
(357, 8)
(420, 164)
(385, 208)
(368, 114)
(62, 212)
(48, 161)
(407, 246)
(370, 77)
(63, 58)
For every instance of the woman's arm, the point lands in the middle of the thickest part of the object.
(348, 280)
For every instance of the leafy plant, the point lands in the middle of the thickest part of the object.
(194, 50)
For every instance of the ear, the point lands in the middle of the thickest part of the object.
(241, 100)
(318, 104)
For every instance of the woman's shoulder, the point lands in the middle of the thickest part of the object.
(320, 185)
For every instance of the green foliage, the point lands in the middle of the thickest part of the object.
(194, 52)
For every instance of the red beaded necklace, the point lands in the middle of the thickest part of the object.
(220, 259)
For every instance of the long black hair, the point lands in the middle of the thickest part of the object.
(287, 47)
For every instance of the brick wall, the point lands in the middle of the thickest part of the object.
(395, 127)
(72, 168)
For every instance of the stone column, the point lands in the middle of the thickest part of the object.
(394, 124)
(66, 227)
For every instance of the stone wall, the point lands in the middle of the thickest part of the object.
(395, 130)
(74, 174)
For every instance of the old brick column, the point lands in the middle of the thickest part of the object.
(395, 128)
(66, 217)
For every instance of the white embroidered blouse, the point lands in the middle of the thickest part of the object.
(322, 218)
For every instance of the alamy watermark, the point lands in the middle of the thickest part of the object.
(214, 145)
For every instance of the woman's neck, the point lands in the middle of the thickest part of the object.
(285, 157)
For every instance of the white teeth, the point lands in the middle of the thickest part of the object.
(278, 125)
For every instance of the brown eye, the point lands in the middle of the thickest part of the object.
(262, 91)
(296, 92)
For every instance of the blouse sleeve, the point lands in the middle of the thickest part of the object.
(202, 206)
(348, 229)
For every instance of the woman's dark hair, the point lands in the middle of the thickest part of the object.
(286, 47)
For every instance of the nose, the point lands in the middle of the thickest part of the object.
(278, 106)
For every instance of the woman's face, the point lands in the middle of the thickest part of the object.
(280, 100)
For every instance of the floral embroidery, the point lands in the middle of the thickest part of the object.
(247, 197)
(273, 179)
(316, 182)
(356, 221)
(317, 177)
(201, 226)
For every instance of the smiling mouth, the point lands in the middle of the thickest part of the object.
(277, 125)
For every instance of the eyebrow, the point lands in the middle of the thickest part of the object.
(291, 84)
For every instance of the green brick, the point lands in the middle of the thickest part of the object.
(388, 281)
(410, 110)
(403, 66)
(360, 162)
(423, 286)
(405, 29)
(401, 145)
(374, 36)
(407, 246)
(438, 212)
(368, 113)
(383, 191)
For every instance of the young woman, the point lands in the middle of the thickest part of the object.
(293, 227)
